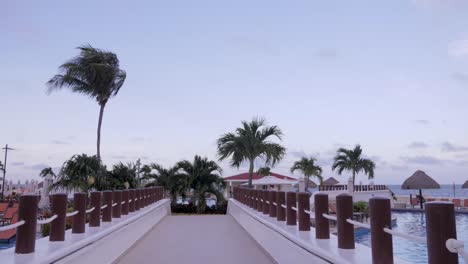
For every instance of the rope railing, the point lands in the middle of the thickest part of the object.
(457, 246)
(356, 223)
(12, 226)
(104, 206)
(71, 214)
(417, 239)
(330, 217)
(90, 210)
(123, 202)
(114, 204)
(47, 220)
(294, 208)
(307, 212)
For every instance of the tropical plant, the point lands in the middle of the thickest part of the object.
(122, 176)
(308, 168)
(80, 172)
(249, 142)
(264, 171)
(173, 182)
(47, 172)
(352, 160)
(94, 73)
(204, 179)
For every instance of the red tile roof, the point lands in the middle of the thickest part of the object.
(245, 176)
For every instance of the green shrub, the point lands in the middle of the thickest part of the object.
(361, 207)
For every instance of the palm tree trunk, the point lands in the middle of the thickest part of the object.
(101, 113)
(251, 169)
(306, 183)
(354, 178)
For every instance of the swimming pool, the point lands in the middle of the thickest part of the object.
(413, 223)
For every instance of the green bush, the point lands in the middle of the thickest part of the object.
(190, 208)
(361, 207)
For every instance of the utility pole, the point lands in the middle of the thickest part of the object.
(6, 148)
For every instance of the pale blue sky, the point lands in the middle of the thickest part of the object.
(390, 75)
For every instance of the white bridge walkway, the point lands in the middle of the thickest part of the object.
(197, 239)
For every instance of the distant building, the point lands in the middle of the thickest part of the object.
(239, 179)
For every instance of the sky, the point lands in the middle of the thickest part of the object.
(389, 75)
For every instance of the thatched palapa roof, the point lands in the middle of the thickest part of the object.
(465, 185)
(420, 180)
(330, 181)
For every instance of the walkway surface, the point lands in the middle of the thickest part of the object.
(197, 239)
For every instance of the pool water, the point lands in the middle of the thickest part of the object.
(413, 223)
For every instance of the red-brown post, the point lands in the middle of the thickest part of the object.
(131, 203)
(266, 206)
(440, 226)
(117, 209)
(381, 242)
(125, 202)
(344, 208)
(272, 200)
(107, 211)
(58, 207)
(322, 225)
(251, 198)
(280, 210)
(95, 215)
(303, 205)
(139, 203)
(26, 233)
(79, 220)
(259, 201)
(254, 199)
(290, 212)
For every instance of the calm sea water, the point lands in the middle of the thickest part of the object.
(445, 190)
(413, 223)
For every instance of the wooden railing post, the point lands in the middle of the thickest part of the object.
(272, 200)
(266, 206)
(125, 202)
(303, 205)
(440, 226)
(322, 225)
(79, 220)
(344, 206)
(59, 208)
(381, 242)
(95, 215)
(290, 212)
(107, 211)
(259, 200)
(280, 210)
(117, 209)
(26, 233)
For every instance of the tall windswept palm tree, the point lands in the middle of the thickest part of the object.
(352, 160)
(95, 73)
(308, 168)
(264, 171)
(249, 142)
(47, 172)
(204, 178)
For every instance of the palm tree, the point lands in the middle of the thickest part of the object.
(204, 178)
(173, 182)
(249, 142)
(264, 171)
(94, 73)
(352, 160)
(122, 176)
(308, 168)
(80, 172)
(46, 172)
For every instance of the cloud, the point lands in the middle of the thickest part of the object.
(59, 142)
(458, 48)
(17, 163)
(422, 122)
(327, 53)
(37, 166)
(449, 147)
(398, 167)
(460, 77)
(417, 145)
(422, 160)
(301, 154)
(119, 157)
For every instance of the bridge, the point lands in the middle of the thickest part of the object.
(136, 226)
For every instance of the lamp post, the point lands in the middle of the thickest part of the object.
(6, 148)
